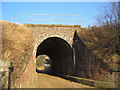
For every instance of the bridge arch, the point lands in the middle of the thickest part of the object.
(59, 51)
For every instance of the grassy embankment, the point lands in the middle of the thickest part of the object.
(16, 47)
(103, 41)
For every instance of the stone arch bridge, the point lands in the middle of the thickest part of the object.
(70, 56)
(56, 42)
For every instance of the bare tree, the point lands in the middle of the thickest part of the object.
(108, 32)
(109, 15)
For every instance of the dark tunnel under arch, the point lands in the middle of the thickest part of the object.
(60, 53)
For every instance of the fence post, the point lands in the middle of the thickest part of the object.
(5, 74)
(0, 81)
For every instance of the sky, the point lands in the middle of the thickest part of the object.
(87, 11)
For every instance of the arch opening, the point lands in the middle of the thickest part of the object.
(43, 64)
(59, 53)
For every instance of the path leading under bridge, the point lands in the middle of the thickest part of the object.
(48, 81)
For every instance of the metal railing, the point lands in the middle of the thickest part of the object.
(47, 18)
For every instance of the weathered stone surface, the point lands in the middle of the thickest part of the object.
(42, 33)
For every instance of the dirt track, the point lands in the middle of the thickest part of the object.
(48, 81)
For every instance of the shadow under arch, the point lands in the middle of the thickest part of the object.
(60, 54)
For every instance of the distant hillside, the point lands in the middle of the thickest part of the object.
(16, 44)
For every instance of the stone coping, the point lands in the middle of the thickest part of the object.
(51, 25)
(90, 82)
